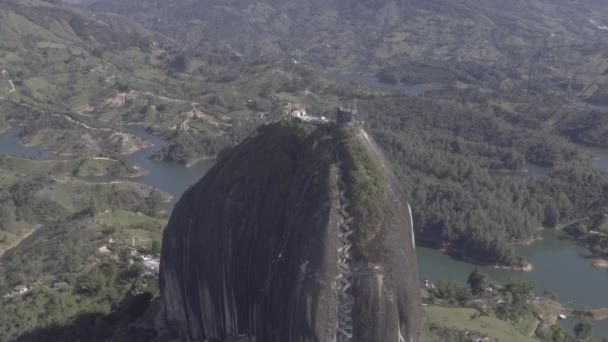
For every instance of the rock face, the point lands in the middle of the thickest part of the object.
(299, 234)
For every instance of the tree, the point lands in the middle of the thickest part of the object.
(558, 334)
(477, 281)
(520, 290)
(153, 204)
(578, 230)
(452, 292)
(516, 296)
(387, 76)
(179, 63)
(7, 215)
(123, 87)
(92, 282)
(94, 206)
(551, 215)
(583, 329)
(156, 247)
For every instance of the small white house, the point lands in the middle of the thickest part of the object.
(561, 316)
(298, 112)
(21, 289)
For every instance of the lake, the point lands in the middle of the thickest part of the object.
(10, 145)
(172, 178)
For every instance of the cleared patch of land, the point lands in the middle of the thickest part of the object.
(461, 318)
(75, 195)
(133, 228)
(10, 239)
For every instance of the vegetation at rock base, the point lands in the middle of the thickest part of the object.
(477, 281)
(120, 295)
(81, 269)
(54, 239)
(508, 311)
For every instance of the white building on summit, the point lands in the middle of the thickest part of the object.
(294, 110)
(297, 111)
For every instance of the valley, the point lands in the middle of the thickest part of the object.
(491, 114)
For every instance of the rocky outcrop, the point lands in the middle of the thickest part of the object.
(272, 245)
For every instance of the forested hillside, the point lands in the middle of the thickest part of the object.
(461, 168)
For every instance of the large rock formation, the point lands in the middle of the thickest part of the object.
(301, 233)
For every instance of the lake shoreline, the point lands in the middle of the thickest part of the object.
(599, 262)
(200, 160)
(525, 267)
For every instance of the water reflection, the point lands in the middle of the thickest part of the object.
(588, 106)
(10, 145)
(372, 81)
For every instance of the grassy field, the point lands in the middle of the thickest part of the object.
(460, 318)
(132, 227)
(74, 195)
(82, 167)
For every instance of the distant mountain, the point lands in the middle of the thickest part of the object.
(80, 2)
(478, 40)
(48, 50)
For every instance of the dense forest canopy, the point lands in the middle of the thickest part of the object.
(448, 157)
